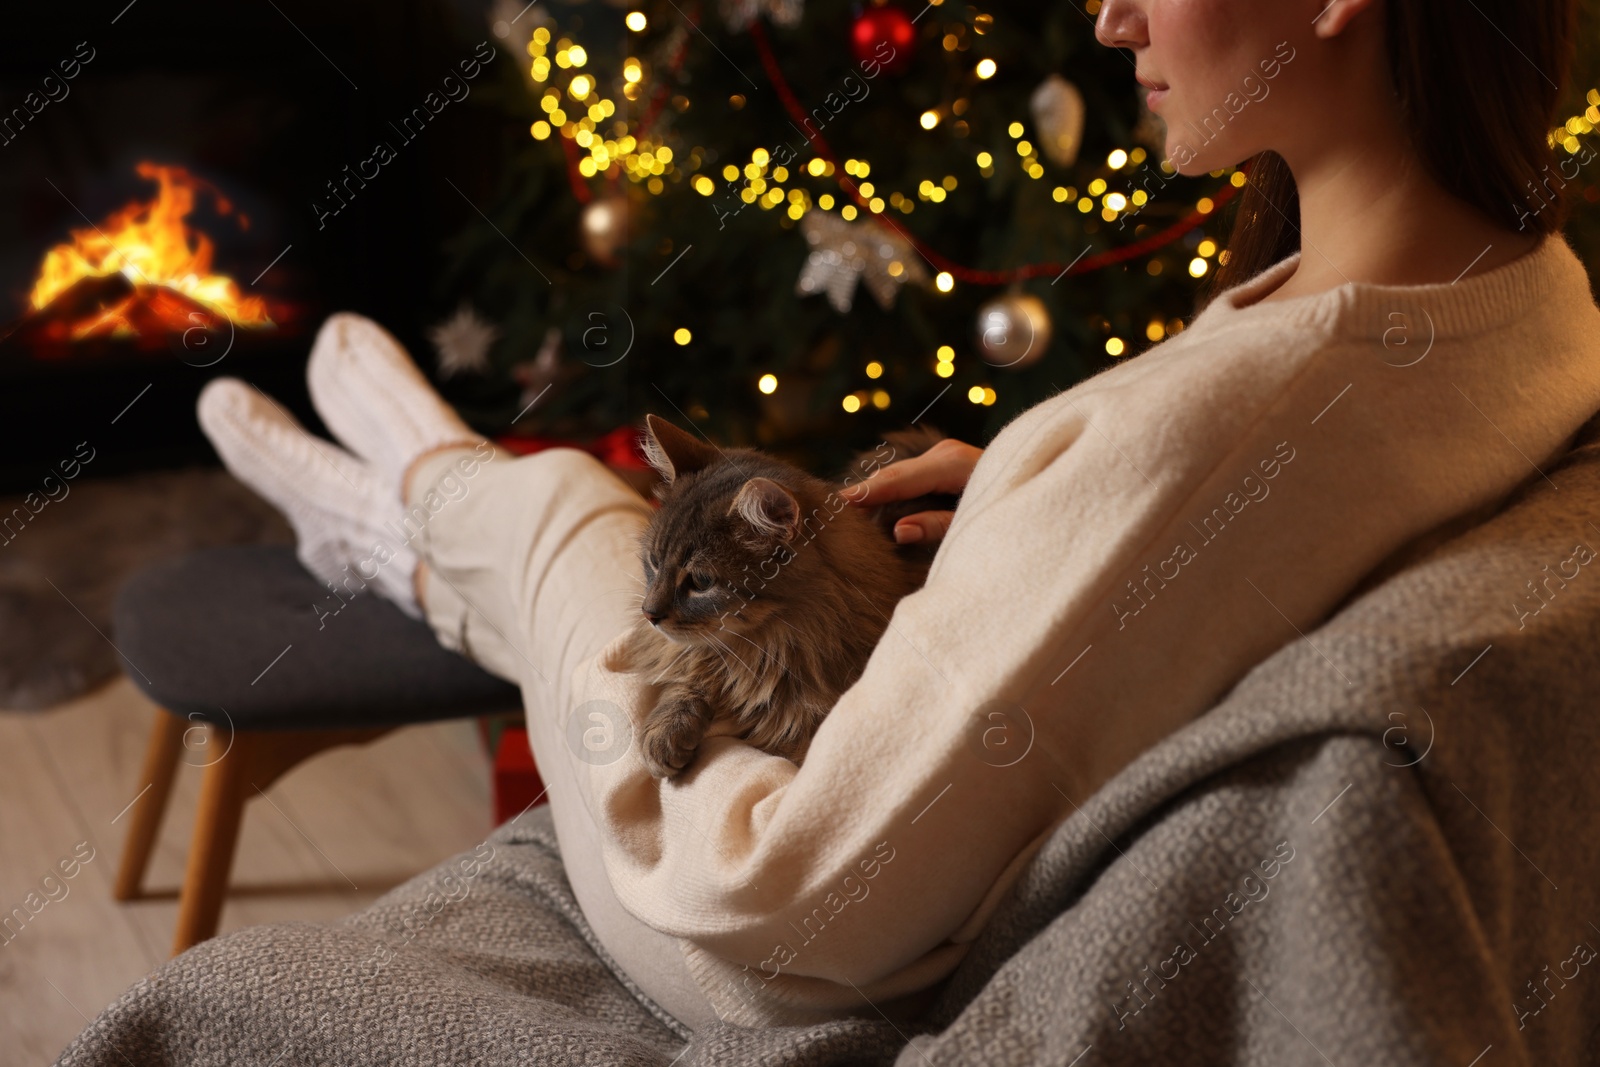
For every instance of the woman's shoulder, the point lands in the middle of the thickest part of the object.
(1540, 299)
(1240, 362)
(1546, 287)
(1220, 363)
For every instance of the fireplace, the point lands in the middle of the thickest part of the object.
(144, 277)
(163, 162)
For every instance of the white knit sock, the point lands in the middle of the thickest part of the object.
(341, 511)
(375, 400)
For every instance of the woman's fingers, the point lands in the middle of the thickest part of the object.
(944, 468)
(923, 526)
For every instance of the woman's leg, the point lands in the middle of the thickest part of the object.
(531, 568)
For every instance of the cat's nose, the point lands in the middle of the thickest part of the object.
(654, 616)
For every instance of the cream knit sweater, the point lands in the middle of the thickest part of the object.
(1124, 553)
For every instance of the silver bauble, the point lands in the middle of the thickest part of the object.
(1058, 113)
(1013, 330)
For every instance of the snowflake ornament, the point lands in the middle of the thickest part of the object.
(463, 342)
(739, 14)
(844, 253)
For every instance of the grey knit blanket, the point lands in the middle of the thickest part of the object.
(1378, 849)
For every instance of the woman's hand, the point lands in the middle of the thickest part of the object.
(944, 468)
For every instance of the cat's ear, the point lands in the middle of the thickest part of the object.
(671, 451)
(769, 508)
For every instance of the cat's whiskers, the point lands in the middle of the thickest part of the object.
(730, 651)
(723, 659)
(764, 653)
(681, 653)
(778, 662)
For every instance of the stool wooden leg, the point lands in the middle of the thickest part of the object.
(275, 753)
(255, 761)
(160, 763)
(216, 830)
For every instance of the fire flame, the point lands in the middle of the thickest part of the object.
(150, 245)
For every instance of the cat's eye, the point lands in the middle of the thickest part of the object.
(700, 581)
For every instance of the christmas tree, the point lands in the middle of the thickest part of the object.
(800, 224)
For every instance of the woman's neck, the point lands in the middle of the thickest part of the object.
(1369, 212)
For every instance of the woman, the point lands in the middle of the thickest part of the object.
(1401, 338)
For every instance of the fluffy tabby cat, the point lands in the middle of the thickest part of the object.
(765, 591)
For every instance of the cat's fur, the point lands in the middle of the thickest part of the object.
(768, 591)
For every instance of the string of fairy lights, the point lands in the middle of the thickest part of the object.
(1566, 135)
(578, 110)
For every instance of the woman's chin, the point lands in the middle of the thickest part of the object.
(1192, 164)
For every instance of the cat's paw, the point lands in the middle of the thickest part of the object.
(672, 734)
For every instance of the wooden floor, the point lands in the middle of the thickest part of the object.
(331, 836)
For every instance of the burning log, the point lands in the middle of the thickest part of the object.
(140, 278)
(110, 306)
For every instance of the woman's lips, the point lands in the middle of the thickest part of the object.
(1157, 92)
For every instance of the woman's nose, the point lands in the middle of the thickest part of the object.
(1121, 24)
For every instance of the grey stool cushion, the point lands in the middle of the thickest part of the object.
(244, 635)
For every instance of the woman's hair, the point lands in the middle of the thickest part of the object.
(1478, 85)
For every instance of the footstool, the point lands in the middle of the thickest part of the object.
(257, 666)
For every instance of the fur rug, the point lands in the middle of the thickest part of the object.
(60, 573)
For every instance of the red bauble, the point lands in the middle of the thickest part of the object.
(883, 35)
